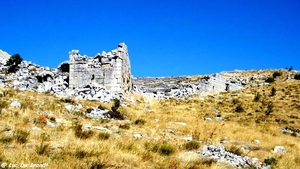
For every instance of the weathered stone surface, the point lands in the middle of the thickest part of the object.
(112, 70)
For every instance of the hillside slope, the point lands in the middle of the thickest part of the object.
(55, 132)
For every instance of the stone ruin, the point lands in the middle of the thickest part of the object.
(112, 70)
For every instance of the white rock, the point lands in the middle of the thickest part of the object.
(181, 123)
(50, 124)
(279, 149)
(15, 104)
(103, 129)
(36, 128)
(69, 107)
(137, 135)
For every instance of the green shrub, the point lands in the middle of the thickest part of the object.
(21, 136)
(97, 165)
(114, 113)
(269, 108)
(42, 149)
(270, 80)
(297, 76)
(103, 136)
(81, 154)
(192, 145)
(79, 133)
(239, 108)
(270, 161)
(124, 126)
(276, 74)
(13, 63)
(273, 91)
(101, 107)
(163, 149)
(139, 122)
(257, 97)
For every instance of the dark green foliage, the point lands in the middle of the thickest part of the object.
(101, 107)
(42, 149)
(257, 97)
(290, 69)
(270, 161)
(89, 110)
(97, 165)
(235, 101)
(276, 74)
(79, 133)
(13, 63)
(273, 91)
(52, 119)
(21, 136)
(269, 109)
(103, 136)
(192, 145)
(297, 76)
(80, 154)
(163, 149)
(68, 100)
(116, 105)
(114, 113)
(139, 122)
(270, 80)
(124, 126)
(239, 108)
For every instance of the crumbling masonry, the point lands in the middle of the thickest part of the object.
(112, 70)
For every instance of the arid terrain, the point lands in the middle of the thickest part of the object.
(51, 132)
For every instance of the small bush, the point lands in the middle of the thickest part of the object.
(124, 126)
(276, 74)
(192, 145)
(270, 80)
(21, 136)
(257, 97)
(139, 122)
(273, 91)
(68, 100)
(270, 161)
(269, 109)
(297, 76)
(163, 149)
(97, 165)
(79, 133)
(89, 110)
(13, 63)
(239, 108)
(101, 107)
(103, 136)
(80, 154)
(42, 149)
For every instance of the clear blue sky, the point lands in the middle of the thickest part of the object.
(164, 38)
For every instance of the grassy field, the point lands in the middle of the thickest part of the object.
(249, 115)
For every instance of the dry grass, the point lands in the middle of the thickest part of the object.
(162, 138)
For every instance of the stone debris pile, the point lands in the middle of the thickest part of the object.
(219, 154)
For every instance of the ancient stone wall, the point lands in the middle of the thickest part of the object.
(112, 69)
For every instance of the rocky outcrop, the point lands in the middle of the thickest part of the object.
(176, 87)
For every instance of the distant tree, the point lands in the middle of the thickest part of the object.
(13, 63)
(290, 69)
